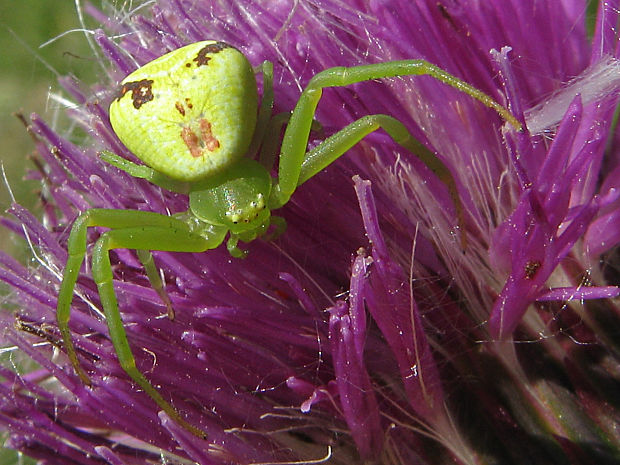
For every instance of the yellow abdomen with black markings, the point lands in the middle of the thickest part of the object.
(190, 113)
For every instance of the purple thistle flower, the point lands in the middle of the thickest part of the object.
(365, 328)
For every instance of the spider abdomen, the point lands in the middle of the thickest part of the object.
(189, 113)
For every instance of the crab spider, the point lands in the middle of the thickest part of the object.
(192, 117)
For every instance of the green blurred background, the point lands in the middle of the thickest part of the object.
(28, 75)
(25, 85)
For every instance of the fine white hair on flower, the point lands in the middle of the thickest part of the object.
(597, 81)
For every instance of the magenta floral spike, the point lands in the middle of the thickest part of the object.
(365, 333)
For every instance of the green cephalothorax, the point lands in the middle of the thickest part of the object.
(192, 117)
(236, 198)
(189, 113)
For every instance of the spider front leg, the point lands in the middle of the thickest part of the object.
(337, 144)
(133, 230)
(295, 166)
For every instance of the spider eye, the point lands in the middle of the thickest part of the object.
(247, 213)
(236, 198)
(189, 113)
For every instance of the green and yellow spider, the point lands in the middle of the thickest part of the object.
(192, 117)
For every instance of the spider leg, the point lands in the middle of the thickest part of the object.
(232, 244)
(296, 136)
(146, 258)
(144, 172)
(76, 248)
(137, 230)
(279, 226)
(296, 166)
(143, 237)
(269, 147)
(337, 144)
(266, 106)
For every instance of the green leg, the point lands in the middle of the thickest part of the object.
(232, 245)
(296, 136)
(266, 106)
(247, 236)
(269, 147)
(145, 237)
(337, 144)
(279, 226)
(144, 172)
(76, 249)
(146, 258)
(137, 221)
